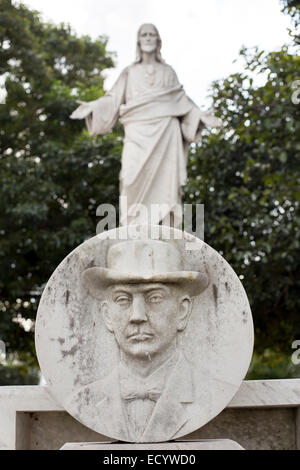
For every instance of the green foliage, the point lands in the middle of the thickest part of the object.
(19, 369)
(270, 365)
(292, 8)
(53, 175)
(247, 174)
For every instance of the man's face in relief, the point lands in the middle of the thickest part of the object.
(148, 39)
(145, 318)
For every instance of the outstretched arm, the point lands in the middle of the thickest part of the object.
(101, 115)
(83, 110)
(194, 122)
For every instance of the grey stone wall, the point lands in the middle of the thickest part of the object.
(262, 415)
(260, 429)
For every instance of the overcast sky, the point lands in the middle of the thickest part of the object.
(201, 38)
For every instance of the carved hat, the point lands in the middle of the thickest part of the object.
(141, 261)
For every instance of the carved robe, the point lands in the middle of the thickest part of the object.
(159, 122)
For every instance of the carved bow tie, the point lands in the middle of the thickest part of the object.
(131, 391)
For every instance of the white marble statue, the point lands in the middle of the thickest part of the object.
(160, 122)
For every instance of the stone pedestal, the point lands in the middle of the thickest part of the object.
(205, 444)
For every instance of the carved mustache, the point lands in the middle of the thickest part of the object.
(138, 332)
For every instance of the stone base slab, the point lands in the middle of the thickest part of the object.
(205, 444)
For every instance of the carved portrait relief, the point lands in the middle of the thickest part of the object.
(135, 340)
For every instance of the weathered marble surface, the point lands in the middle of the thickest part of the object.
(268, 393)
(210, 335)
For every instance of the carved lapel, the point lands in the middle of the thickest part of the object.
(169, 414)
(110, 410)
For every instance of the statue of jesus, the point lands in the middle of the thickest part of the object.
(160, 121)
